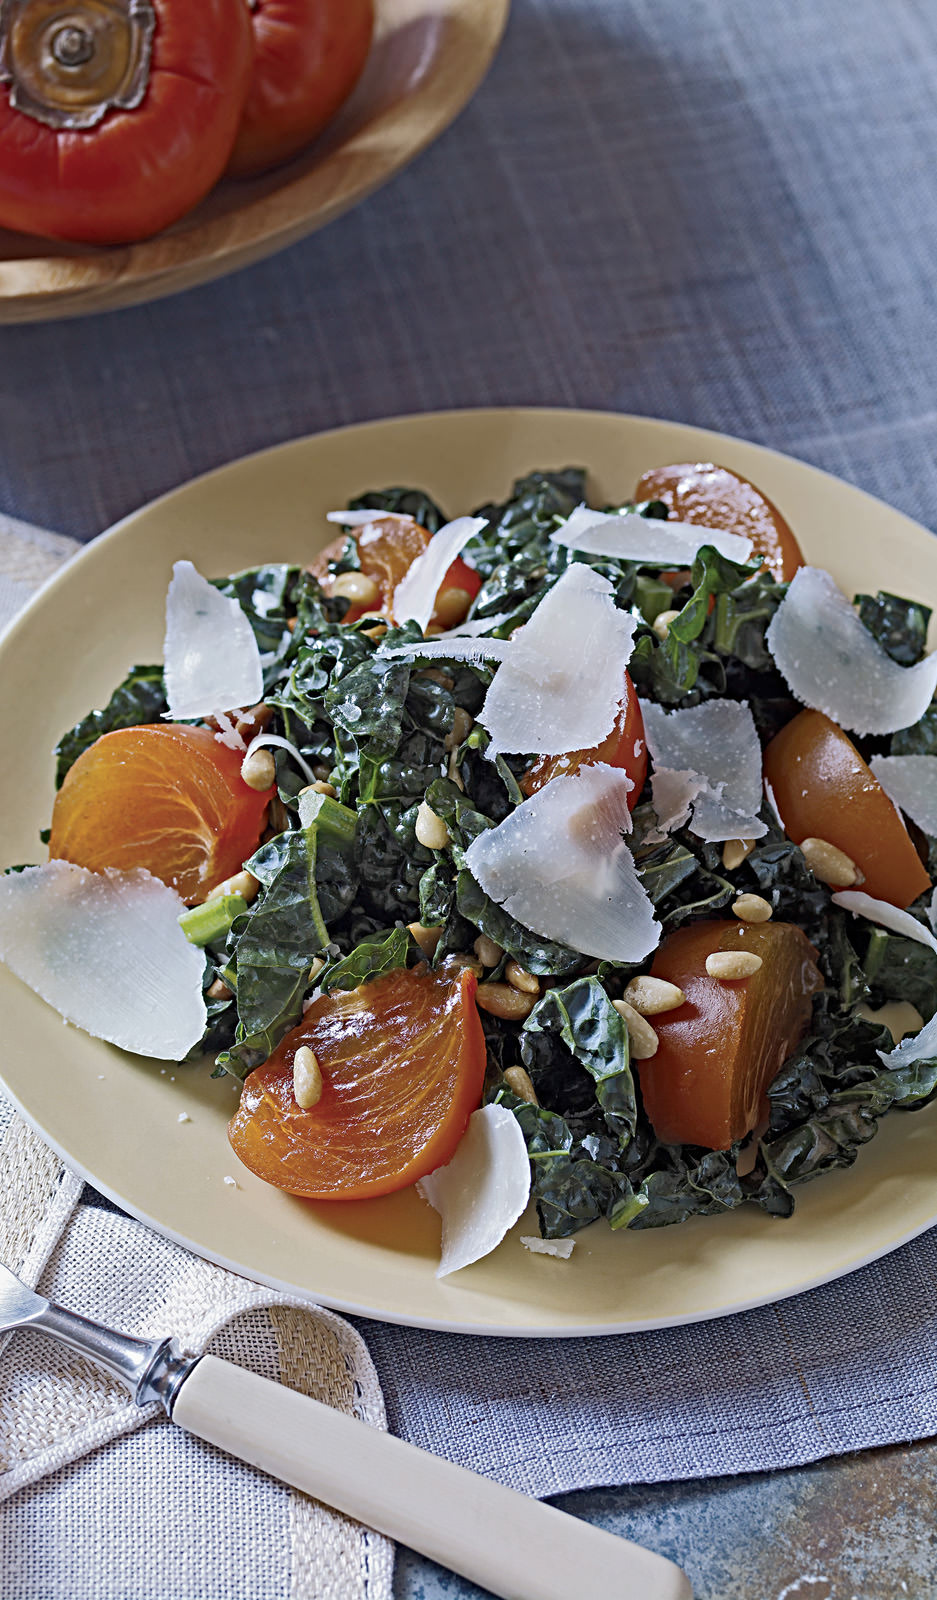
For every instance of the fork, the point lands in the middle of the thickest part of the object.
(507, 1542)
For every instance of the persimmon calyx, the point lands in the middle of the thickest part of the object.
(67, 68)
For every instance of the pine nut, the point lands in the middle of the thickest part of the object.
(642, 1040)
(752, 908)
(321, 787)
(307, 1078)
(258, 770)
(488, 953)
(243, 883)
(735, 851)
(519, 1081)
(462, 958)
(451, 606)
(356, 587)
(431, 831)
(828, 863)
(426, 938)
(730, 965)
(500, 1000)
(453, 773)
(253, 721)
(219, 990)
(519, 978)
(316, 965)
(462, 725)
(661, 623)
(651, 996)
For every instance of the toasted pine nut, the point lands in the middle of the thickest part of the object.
(463, 958)
(729, 965)
(243, 883)
(735, 851)
(321, 787)
(453, 773)
(828, 863)
(518, 1079)
(426, 938)
(519, 978)
(642, 1039)
(752, 908)
(451, 606)
(435, 676)
(431, 831)
(254, 720)
(258, 770)
(488, 953)
(316, 965)
(462, 725)
(661, 623)
(307, 1078)
(500, 1000)
(356, 587)
(651, 996)
(219, 990)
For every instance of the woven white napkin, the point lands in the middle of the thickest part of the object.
(102, 1500)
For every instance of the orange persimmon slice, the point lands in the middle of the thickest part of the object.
(824, 790)
(703, 493)
(403, 1063)
(162, 796)
(387, 549)
(717, 1053)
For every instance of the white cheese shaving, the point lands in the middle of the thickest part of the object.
(559, 865)
(453, 647)
(228, 733)
(911, 783)
(211, 660)
(415, 595)
(106, 950)
(482, 1191)
(363, 519)
(673, 793)
(920, 1046)
(831, 662)
(562, 1249)
(562, 683)
(887, 916)
(649, 540)
(717, 744)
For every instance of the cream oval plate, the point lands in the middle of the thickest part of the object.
(115, 1117)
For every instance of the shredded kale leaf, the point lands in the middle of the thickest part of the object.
(140, 698)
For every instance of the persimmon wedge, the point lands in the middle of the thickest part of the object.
(824, 790)
(403, 1064)
(718, 1052)
(387, 549)
(704, 493)
(162, 796)
(624, 747)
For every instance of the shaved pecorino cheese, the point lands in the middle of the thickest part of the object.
(562, 683)
(453, 647)
(211, 659)
(560, 866)
(716, 742)
(482, 1191)
(106, 950)
(648, 540)
(364, 518)
(921, 1046)
(831, 662)
(561, 1249)
(415, 595)
(911, 782)
(885, 915)
(673, 793)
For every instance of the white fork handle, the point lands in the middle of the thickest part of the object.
(505, 1541)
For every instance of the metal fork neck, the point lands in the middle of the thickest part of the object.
(152, 1369)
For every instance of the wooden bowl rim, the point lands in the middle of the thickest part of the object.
(43, 287)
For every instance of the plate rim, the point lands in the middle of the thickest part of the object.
(355, 1307)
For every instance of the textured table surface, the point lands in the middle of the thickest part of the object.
(725, 214)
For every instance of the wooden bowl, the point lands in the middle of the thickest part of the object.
(427, 60)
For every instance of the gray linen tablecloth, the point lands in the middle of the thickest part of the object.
(724, 213)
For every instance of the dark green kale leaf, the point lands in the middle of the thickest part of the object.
(371, 958)
(140, 698)
(685, 1182)
(901, 969)
(900, 626)
(409, 502)
(577, 1029)
(272, 947)
(920, 739)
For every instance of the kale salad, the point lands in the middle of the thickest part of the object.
(591, 969)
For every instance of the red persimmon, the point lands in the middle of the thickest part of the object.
(308, 57)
